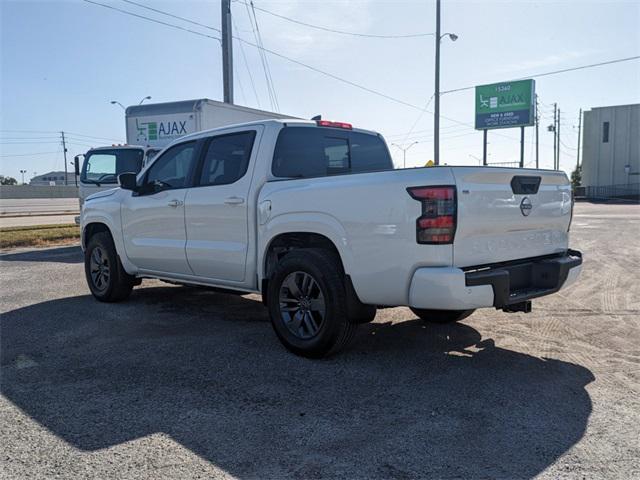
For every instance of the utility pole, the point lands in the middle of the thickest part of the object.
(227, 51)
(555, 134)
(579, 129)
(558, 164)
(522, 147)
(64, 151)
(436, 113)
(484, 147)
(537, 133)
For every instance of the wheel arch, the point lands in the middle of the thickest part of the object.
(282, 244)
(96, 225)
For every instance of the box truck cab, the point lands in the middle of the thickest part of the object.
(102, 165)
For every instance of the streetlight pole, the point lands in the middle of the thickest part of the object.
(404, 152)
(436, 113)
(115, 102)
(148, 97)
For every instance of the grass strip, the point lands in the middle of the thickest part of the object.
(39, 235)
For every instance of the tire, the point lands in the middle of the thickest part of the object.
(307, 303)
(441, 316)
(105, 274)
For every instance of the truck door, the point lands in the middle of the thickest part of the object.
(217, 207)
(153, 218)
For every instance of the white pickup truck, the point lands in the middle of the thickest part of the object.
(312, 215)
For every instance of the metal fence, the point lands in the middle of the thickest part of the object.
(629, 191)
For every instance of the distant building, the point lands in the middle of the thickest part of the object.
(53, 178)
(611, 151)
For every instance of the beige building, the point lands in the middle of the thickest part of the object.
(611, 151)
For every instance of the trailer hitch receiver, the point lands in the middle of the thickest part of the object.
(524, 307)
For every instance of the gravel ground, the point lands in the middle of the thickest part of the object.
(185, 383)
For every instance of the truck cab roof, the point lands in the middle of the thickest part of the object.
(277, 121)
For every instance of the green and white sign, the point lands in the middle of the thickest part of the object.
(505, 105)
(159, 130)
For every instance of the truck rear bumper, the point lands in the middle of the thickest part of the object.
(498, 285)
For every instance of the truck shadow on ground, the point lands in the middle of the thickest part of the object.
(70, 254)
(407, 400)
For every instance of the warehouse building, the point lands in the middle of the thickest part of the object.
(53, 178)
(611, 152)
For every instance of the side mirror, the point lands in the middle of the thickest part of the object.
(76, 164)
(128, 181)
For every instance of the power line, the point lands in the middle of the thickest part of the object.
(73, 134)
(29, 154)
(246, 64)
(173, 16)
(332, 30)
(126, 12)
(555, 72)
(28, 142)
(317, 70)
(253, 20)
(30, 131)
(419, 117)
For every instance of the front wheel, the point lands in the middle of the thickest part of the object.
(441, 316)
(307, 303)
(106, 277)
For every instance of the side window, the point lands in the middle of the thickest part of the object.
(227, 158)
(314, 152)
(171, 170)
(605, 132)
(99, 166)
(369, 153)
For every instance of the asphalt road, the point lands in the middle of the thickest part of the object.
(35, 206)
(37, 211)
(184, 383)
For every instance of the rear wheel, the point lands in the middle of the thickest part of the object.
(106, 277)
(441, 316)
(307, 303)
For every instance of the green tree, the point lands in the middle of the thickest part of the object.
(576, 177)
(7, 180)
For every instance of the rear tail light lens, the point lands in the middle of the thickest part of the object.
(328, 123)
(437, 223)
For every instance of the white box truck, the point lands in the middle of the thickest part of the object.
(150, 128)
(158, 124)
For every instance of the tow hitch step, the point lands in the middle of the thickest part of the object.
(524, 307)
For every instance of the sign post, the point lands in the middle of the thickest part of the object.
(505, 105)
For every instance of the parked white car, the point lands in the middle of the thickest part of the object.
(312, 215)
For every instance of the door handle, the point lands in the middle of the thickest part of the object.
(175, 203)
(234, 201)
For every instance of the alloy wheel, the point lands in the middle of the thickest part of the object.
(100, 270)
(302, 305)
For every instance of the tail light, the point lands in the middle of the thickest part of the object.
(437, 224)
(328, 123)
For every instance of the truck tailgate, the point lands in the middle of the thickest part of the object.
(507, 214)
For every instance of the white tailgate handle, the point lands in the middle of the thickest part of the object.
(234, 201)
(175, 203)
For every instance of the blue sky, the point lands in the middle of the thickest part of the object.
(63, 61)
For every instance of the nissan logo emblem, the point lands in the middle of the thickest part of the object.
(526, 206)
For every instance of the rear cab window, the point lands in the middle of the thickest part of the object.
(303, 152)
